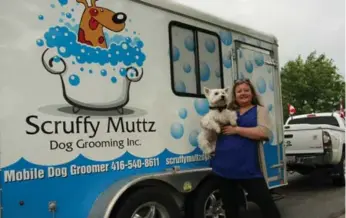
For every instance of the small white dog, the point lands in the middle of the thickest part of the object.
(217, 116)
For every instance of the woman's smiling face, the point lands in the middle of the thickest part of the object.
(243, 94)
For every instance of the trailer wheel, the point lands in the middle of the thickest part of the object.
(207, 202)
(148, 203)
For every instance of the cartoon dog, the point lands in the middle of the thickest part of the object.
(217, 116)
(94, 19)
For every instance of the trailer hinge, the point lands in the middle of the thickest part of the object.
(272, 63)
(280, 165)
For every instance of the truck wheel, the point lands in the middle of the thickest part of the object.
(340, 179)
(149, 203)
(207, 202)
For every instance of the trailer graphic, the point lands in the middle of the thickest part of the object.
(101, 104)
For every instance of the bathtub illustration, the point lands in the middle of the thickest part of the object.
(90, 90)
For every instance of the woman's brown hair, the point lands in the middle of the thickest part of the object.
(255, 101)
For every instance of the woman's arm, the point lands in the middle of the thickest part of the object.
(261, 132)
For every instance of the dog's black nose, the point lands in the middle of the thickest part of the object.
(223, 97)
(119, 18)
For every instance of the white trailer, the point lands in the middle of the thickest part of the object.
(101, 103)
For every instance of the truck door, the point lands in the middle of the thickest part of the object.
(258, 65)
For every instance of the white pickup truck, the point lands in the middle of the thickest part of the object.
(315, 142)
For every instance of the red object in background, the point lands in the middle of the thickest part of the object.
(342, 111)
(291, 109)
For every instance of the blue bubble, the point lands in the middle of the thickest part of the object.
(193, 138)
(210, 45)
(227, 62)
(205, 71)
(63, 2)
(189, 43)
(176, 53)
(182, 113)
(74, 80)
(180, 87)
(123, 72)
(217, 73)
(226, 37)
(39, 42)
(52, 5)
(68, 15)
(187, 68)
(114, 79)
(40, 17)
(261, 85)
(90, 71)
(73, 62)
(271, 85)
(248, 66)
(56, 59)
(66, 43)
(201, 106)
(72, 10)
(103, 72)
(62, 13)
(177, 130)
(82, 69)
(259, 59)
(270, 107)
(61, 20)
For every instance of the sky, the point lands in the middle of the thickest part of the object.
(301, 26)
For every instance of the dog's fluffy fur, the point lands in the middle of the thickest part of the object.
(217, 116)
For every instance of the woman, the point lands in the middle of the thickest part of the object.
(236, 161)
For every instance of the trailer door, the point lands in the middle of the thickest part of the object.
(257, 65)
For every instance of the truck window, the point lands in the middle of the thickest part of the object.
(195, 60)
(315, 120)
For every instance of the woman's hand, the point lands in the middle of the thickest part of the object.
(229, 130)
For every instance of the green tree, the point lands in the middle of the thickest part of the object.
(312, 85)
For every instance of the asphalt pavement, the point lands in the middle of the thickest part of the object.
(312, 196)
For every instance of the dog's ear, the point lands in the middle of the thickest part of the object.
(226, 89)
(206, 90)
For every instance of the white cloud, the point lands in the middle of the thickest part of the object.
(300, 26)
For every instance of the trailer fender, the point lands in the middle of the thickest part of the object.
(183, 181)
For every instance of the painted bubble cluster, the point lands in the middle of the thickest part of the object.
(261, 85)
(248, 66)
(183, 113)
(210, 45)
(179, 86)
(65, 41)
(227, 61)
(259, 59)
(187, 68)
(226, 38)
(177, 129)
(175, 54)
(204, 71)
(201, 106)
(189, 43)
(270, 107)
(193, 137)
